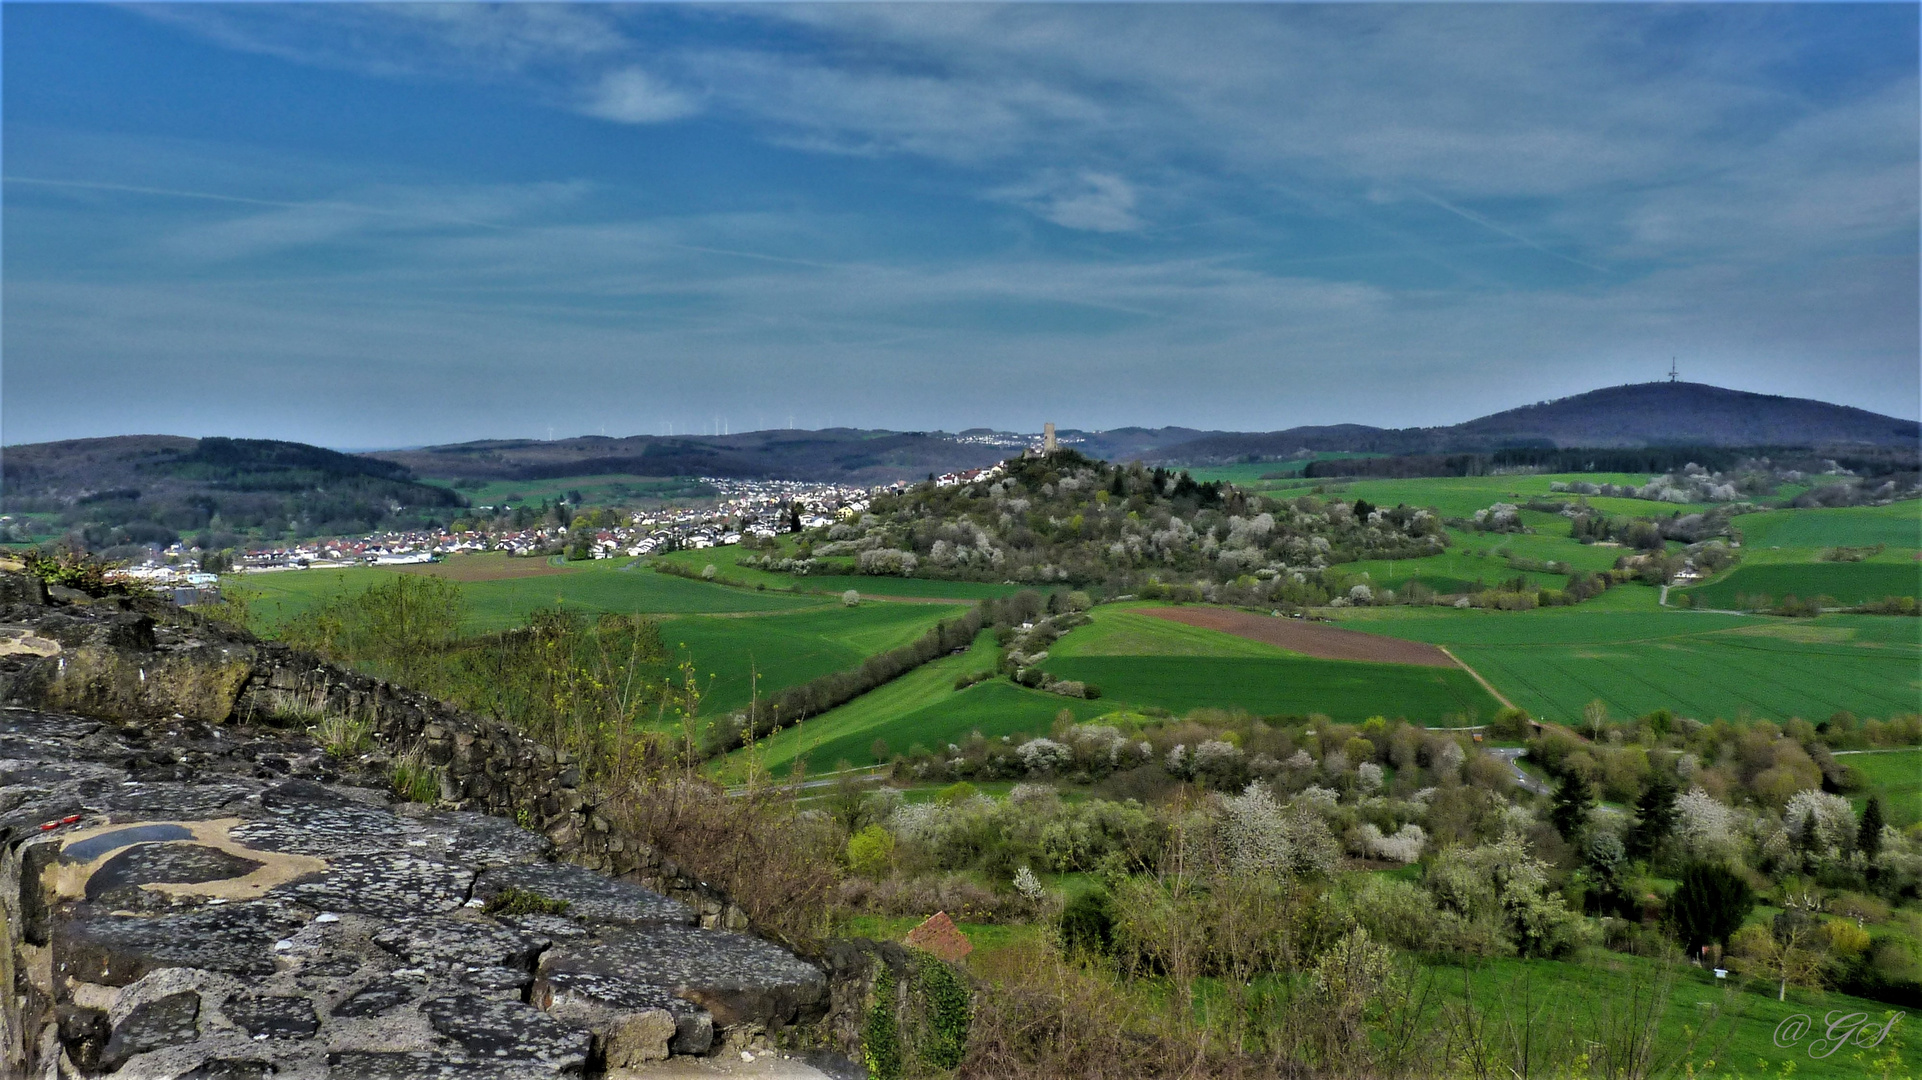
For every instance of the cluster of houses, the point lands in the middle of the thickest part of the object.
(1012, 440)
(741, 508)
(956, 479)
(383, 549)
(762, 508)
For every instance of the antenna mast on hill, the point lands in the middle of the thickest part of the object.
(1672, 373)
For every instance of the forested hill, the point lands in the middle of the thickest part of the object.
(1071, 519)
(144, 489)
(840, 455)
(847, 455)
(1644, 415)
(1636, 415)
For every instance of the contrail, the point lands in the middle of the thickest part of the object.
(1469, 215)
(135, 189)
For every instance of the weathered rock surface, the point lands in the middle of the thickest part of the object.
(186, 893)
(289, 927)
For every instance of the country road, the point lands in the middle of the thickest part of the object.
(1527, 782)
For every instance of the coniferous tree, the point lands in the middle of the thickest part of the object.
(1569, 814)
(1709, 905)
(1654, 818)
(1868, 839)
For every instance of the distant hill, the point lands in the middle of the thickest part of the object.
(840, 455)
(1636, 415)
(846, 455)
(152, 488)
(146, 489)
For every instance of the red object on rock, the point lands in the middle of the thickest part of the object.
(941, 937)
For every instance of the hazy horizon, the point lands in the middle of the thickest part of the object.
(363, 226)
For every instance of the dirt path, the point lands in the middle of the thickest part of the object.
(1486, 685)
(1309, 638)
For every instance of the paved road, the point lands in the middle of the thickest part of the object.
(1528, 783)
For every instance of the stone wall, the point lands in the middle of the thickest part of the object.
(153, 667)
(181, 899)
(122, 658)
(484, 766)
(191, 886)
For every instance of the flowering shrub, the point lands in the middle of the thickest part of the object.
(1704, 828)
(1028, 885)
(1368, 776)
(1043, 757)
(1404, 846)
(1820, 823)
(1263, 836)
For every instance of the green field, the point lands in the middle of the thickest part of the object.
(790, 648)
(1894, 774)
(1845, 583)
(1123, 631)
(922, 707)
(1554, 661)
(1479, 563)
(1140, 660)
(1741, 1043)
(726, 561)
(1898, 525)
(1282, 685)
(1461, 496)
(595, 587)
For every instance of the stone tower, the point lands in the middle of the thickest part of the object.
(1047, 438)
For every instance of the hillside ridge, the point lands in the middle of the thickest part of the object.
(1626, 416)
(1629, 415)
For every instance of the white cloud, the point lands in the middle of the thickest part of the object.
(442, 40)
(359, 215)
(1306, 169)
(632, 96)
(1092, 201)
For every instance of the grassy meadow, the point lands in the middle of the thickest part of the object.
(788, 648)
(1739, 1043)
(1283, 685)
(922, 707)
(1896, 775)
(1140, 660)
(1842, 582)
(1898, 525)
(1782, 556)
(1553, 662)
(593, 587)
(727, 563)
(1461, 496)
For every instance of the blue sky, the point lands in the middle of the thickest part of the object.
(377, 226)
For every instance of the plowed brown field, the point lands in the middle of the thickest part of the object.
(1307, 638)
